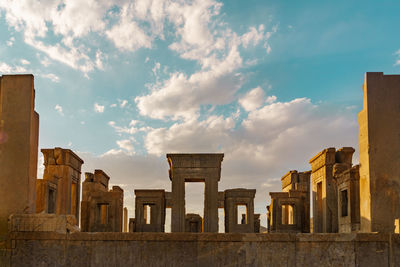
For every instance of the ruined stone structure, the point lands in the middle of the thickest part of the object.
(204, 168)
(348, 189)
(346, 199)
(59, 190)
(19, 132)
(325, 200)
(289, 210)
(379, 146)
(102, 209)
(193, 223)
(233, 199)
(149, 210)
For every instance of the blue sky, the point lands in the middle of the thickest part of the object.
(269, 83)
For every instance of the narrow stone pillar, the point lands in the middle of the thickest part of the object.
(125, 220)
(19, 130)
(211, 205)
(178, 205)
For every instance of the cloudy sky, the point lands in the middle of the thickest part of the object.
(268, 83)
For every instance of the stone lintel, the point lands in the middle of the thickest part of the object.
(61, 156)
(196, 174)
(240, 192)
(157, 193)
(195, 160)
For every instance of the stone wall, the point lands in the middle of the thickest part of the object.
(207, 249)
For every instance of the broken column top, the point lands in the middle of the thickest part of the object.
(61, 156)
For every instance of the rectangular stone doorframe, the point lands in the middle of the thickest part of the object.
(195, 168)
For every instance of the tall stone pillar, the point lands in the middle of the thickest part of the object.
(125, 220)
(19, 131)
(178, 205)
(211, 205)
(379, 147)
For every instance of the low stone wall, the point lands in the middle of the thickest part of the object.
(191, 249)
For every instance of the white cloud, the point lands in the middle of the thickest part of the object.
(7, 69)
(397, 53)
(25, 62)
(98, 108)
(127, 35)
(126, 145)
(131, 129)
(215, 47)
(270, 99)
(217, 85)
(52, 77)
(123, 103)
(10, 42)
(70, 20)
(45, 61)
(253, 99)
(99, 60)
(156, 68)
(59, 109)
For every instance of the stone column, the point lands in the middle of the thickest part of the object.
(19, 129)
(211, 205)
(125, 220)
(178, 204)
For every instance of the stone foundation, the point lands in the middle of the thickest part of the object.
(207, 249)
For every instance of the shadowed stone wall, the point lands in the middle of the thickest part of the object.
(208, 249)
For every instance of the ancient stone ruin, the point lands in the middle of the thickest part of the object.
(45, 222)
(102, 209)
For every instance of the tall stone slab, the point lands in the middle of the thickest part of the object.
(19, 131)
(379, 147)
